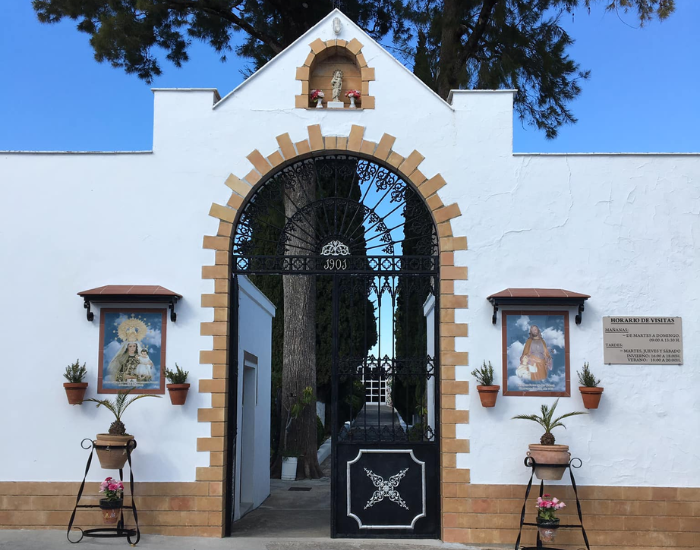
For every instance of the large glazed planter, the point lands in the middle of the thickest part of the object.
(114, 456)
(549, 454)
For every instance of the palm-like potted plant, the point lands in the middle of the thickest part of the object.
(589, 389)
(114, 455)
(488, 392)
(178, 386)
(75, 387)
(547, 453)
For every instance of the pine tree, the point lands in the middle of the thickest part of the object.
(453, 44)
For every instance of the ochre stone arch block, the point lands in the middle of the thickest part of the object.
(452, 478)
(324, 57)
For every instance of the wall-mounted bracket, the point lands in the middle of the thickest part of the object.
(90, 314)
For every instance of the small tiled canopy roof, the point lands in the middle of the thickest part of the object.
(130, 293)
(129, 290)
(537, 297)
(537, 293)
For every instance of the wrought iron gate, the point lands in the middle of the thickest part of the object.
(367, 235)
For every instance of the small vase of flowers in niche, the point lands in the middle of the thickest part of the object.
(111, 504)
(352, 95)
(547, 520)
(317, 96)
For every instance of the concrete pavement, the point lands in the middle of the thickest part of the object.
(56, 540)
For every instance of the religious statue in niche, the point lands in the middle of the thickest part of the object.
(132, 350)
(536, 353)
(337, 84)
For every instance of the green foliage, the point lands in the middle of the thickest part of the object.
(415, 432)
(177, 376)
(119, 405)
(320, 432)
(410, 326)
(586, 378)
(546, 417)
(75, 372)
(452, 44)
(304, 401)
(484, 374)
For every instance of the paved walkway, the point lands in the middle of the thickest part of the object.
(56, 540)
(373, 411)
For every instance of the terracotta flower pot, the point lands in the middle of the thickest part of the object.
(488, 395)
(547, 529)
(178, 393)
(111, 510)
(591, 396)
(75, 391)
(113, 457)
(549, 454)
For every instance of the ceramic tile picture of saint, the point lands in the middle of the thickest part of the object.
(536, 353)
(132, 350)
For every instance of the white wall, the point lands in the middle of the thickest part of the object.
(622, 228)
(255, 336)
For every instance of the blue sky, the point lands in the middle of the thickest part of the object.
(642, 96)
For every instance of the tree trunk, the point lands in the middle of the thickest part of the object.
(299, 361)
(450, 43)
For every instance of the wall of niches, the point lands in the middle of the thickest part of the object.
(320, 64)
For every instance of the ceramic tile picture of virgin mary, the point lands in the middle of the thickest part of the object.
(536, 353)
(132, 350)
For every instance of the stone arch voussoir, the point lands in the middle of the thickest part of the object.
(450, 330)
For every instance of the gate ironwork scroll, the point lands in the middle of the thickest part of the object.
(368, 238)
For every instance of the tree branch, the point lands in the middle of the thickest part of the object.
(228, 16)
(474, 39)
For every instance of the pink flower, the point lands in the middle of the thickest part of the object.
(555, 500)
(545, 495)
(113, 487)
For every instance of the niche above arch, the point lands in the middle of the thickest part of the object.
(317, 71)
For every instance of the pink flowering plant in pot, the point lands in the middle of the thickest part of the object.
(111, 504)
(547, 520)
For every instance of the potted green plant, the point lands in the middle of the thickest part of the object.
(116, 440)
(547, 520)
(488, 392)
(547, 453)
(111, 504)
(178, 386)
(290, 456)
(75, 387)
(589, 389)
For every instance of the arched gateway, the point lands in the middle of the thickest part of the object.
(357, 251)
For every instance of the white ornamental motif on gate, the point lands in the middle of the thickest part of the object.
(335, 248)
(386, 489)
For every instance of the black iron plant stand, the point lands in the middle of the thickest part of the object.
(107, 532)
(530, 463)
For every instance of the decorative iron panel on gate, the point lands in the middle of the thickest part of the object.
(366, 234)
